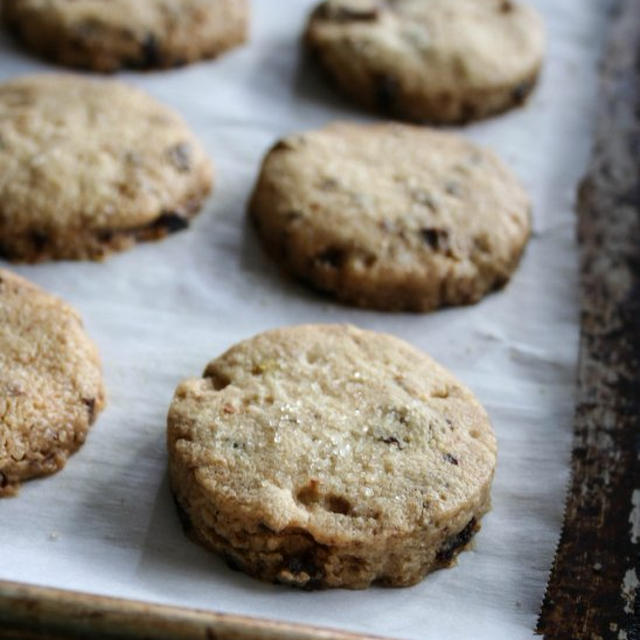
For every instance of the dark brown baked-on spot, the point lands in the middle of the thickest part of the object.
(451, 459)
(521, 91)
(171, 222)
(338, 504)
(453, 545)
(90, 403)
(232, 562)
(385, 93)
(310, 494)
(150, 52)
(303, 570)
(39, 240)
(392, 440)
(437, 239)
(282, 145)
(290, 143)
(469, 111)
(333, 257)
(219, 380)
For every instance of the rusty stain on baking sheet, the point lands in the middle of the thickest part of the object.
(593, 592)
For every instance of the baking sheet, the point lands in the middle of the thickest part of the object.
(107, 525)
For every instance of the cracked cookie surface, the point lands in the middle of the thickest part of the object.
(438, 60)
(327, 456)
(391, 216)
(105, 36)
(90, 167)
(50, 382)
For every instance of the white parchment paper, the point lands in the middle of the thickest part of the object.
(107, 525)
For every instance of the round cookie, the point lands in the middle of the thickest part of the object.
(390, 216)
(327, 456)
(435, 60)
(90, 167)
(50, 382)
(106, 36)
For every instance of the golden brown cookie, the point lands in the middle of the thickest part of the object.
(390, 216)
(327, 456)
(50, 382)
(106, 36)
(89, 167)
(438, 60)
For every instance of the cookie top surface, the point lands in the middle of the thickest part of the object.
(155, 16)
(120, 33)
(390, 215)
(340, 432)
(80, 155)
(432, 52)
(50, 380)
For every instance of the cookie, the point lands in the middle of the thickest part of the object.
(90, 167)
(105, 36)
(327, 456)
(50, 382)
(435, 60)
(391, 216)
